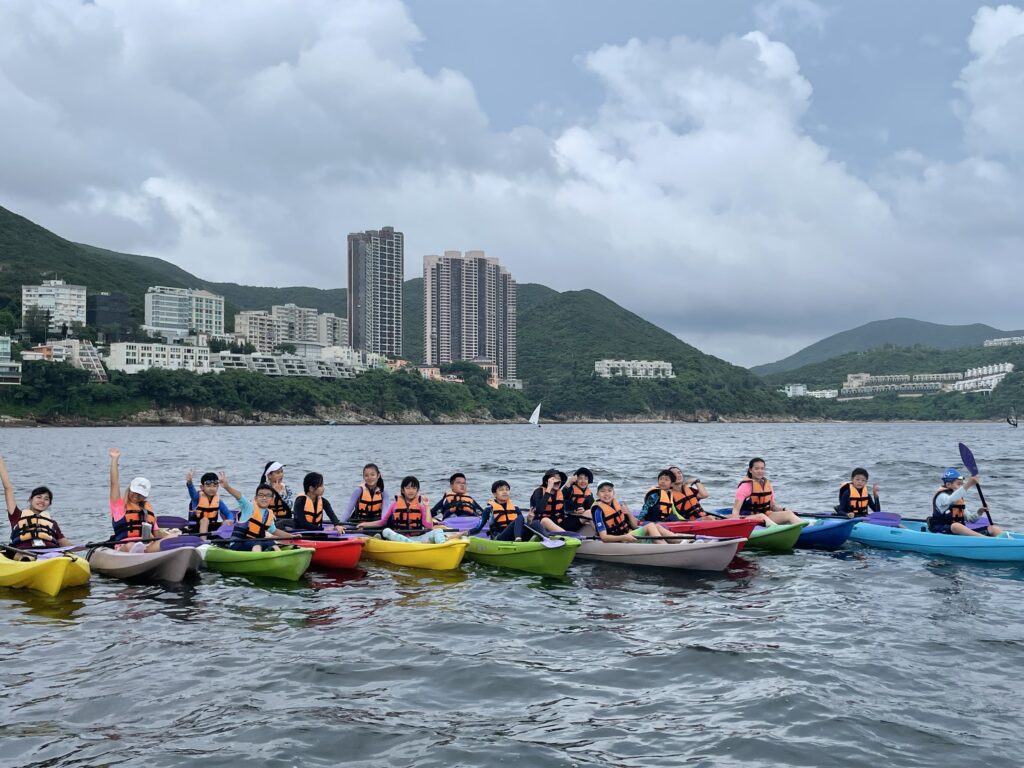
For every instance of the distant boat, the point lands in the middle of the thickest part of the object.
(535, 416)
(1012, 418)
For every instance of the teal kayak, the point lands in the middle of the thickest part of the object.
(913, 536)
(529, 556)
(285, 563)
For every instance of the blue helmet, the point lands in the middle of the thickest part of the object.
(950, 475)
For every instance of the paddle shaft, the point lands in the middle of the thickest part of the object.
(969, 461)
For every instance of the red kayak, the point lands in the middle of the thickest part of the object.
(333, 553)
(732, 526)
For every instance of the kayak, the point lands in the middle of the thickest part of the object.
(825, 534)
(777, 538)
(913, 536)
(728, 527)
(286, 563)
(695, 554)
(48, 574)
(529, 556)
(333, 553)
(434, 557)
(166, 565)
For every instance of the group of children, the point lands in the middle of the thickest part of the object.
(560, 505)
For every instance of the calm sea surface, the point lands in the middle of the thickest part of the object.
(855, 658)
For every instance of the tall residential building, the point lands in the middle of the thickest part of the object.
(376, 264)
(332, 331)
(259, 328)
(176, 311)
(64, 304)
(469, 311)
(297, 323)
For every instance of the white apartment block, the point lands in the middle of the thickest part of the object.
(10, 373)
(338, 363)
(376, 274)
(634, 369)
(331, 331)
(132, 357)
(1006, 341)
(297, 323)
(988, 370)
(794, 390)
(174, 312)
(65, 304)
(259, 328)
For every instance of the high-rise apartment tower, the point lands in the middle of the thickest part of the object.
(376, 265)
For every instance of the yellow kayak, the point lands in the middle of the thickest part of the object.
(435, 557)
(49, 575)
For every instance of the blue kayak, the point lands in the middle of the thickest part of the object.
(911, 536)
(826, 534)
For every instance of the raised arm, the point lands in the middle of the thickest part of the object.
(115, 478)
(8, 488)
(227, 487)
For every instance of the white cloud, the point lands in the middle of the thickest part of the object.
(245, 145)
(774, 16)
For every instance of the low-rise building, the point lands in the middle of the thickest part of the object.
(133, 357)
(1005, 341)
(78, 353)
(794, 390)
(10, 372)
(634, 369)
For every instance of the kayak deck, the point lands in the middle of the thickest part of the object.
(528, 556)
(695, 554)
(167, 565)
(49, 575)
(435, 557)
(913, 536)
(336, 553)
(287, 563)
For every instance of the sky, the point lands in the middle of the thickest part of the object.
(751, 176)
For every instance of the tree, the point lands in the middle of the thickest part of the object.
(285, 349)
(7, 322)
(37, 324)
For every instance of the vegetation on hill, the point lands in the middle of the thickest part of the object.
(412, 321)
(900, 332)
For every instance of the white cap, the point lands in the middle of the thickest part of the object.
(141, 486)
(274, 466)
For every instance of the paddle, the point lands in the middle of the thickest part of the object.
(972, 467)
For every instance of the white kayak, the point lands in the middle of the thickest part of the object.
(166, 565)
(690, 554)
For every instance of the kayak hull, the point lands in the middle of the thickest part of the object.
(777, 538)
(286, 563)
(829, 535)
(49, 575)
(528, 556)
(692, 555)
(729, 527)
(166, 565)
(433, 557)
(914, 537)
(333, 554)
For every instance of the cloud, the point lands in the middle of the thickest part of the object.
(248, 143)
(775, 16)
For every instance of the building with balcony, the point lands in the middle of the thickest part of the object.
(133, 357)
(634, 369)
(63, 304)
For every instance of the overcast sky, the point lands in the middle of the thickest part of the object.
(750, 176)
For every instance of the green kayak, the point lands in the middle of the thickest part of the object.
(286, 563)
(529, 556)
(778, 538)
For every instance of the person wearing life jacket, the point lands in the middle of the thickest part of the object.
(411, 512)
(507, 521)
(256, 528)
(33, 527)
(662, 502)
(457, 502)
(755, 498)
(273, 475)
(949, 511)
(366, 504)
(854, 498)
(615, 523)
(578, 496)
(547, 505)
(131, 512)
(206, 509)
(693, 492)
(311, 506)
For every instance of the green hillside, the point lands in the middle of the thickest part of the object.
(899, 332)
(412, 320)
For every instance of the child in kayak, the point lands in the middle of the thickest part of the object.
(206, 509)
(854, 499)
(507, 521)
(311, 506)
(366, 504)
(457, 502)
(949, 512)
(615, 523)
(662, 502)
(755, 498)
(547, 505)
(693, 493)
(131, 513)
(34, 527)
(409, 512)
(578, 496)
(273, 475)
(256, 528)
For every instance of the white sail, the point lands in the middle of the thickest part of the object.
(535, 416)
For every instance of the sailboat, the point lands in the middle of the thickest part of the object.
(535, 416)
(1011, 419)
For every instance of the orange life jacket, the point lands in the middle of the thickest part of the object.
(615, 521)
(458, 504)
(35, 528)
(502, 516)
(406, 517)
(955, 513)
(690, 507)
(135, 516)
(313, 512)
(257, 525)
(553, 508)
(668, 506)
(578, 496)
(759, 501)
(370, 505)
(279, 506)
(858, 499)
(207, 509)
